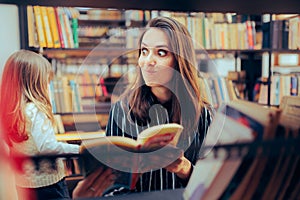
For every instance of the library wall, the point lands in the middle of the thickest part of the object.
(10, 35)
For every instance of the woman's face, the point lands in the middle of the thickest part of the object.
(157, 62)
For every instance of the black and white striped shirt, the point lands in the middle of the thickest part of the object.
(119, 124)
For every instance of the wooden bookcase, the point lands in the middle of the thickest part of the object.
(252, 59)
(256, 7)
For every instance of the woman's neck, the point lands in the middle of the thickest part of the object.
(162, 94)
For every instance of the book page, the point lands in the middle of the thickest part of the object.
(161, 130)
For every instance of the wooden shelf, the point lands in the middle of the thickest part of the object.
(79, 136)
(116, 52)
(237, 6)
(96, 52)
(92, 22)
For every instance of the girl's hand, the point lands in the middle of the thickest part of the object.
(182, 167)
(95, 184)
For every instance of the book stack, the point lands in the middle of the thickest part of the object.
(258, 173)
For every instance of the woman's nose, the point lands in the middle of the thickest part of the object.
(150, 60)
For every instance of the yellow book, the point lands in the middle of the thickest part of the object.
(97, 88)
(46, 26)
(32, 35)
(53, 27)
(59, 127)
(39, 26)
(67, 95)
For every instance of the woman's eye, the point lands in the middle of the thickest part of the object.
(162, 52)
(144, 51)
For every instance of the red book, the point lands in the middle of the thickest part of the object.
(104, 89)
(61, 39)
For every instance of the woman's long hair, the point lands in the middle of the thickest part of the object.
(186, 97)
(24, 79)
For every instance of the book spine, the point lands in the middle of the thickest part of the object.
(32, 40)
(294, 85)
(46, 26)
(75, 32)
(68, 29)
(60, 13)
(53, 27)
(59, 28)
(52, 96)
(250, 35)
(39, 26)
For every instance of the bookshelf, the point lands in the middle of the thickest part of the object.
(256, 7)
(251, 58)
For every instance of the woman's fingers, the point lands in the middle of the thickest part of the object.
(90, 179)
(103, 182)
(95, 184)
(159, 140)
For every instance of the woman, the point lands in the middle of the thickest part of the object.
(166, 90)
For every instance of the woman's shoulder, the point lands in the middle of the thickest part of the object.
(121, 103)
(207, 112)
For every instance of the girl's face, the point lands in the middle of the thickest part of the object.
(157, 62)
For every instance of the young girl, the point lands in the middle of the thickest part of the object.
(27, 120)
(166, 90)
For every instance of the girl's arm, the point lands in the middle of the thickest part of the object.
(42, 132)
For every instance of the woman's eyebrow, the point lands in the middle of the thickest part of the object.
(157, 46)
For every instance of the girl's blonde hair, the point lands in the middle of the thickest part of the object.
(25, 79)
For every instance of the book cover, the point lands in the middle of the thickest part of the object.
(128, 157)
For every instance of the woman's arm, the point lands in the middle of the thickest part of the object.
(183, 166)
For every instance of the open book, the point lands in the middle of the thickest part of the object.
(130, 157)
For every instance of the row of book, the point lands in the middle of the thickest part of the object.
(281, 85)
(69, 93)
(209, 34)
(285, 34)
(219, 89)
(52, 27)
(57, 27)
(64, 95)
(268, 171)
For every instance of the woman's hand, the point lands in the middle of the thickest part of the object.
(182, 167)
(95, 184)
(158, 141)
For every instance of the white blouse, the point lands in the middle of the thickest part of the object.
(41, 140)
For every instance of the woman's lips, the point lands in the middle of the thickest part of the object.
(150, 71)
